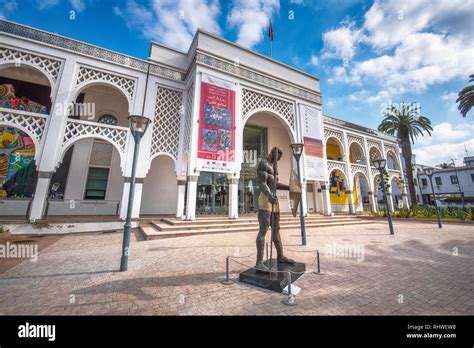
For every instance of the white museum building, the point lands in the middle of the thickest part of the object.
(66, 148)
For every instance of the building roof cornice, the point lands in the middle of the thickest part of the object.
(80, 47)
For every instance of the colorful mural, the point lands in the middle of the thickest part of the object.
(17, 151)
(337, 183)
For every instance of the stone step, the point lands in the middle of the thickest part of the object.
(192, 225)
(151, 232)
(283, 219)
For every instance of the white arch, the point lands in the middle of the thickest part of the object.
(370, 157)
(65, 146)
(394, 157)
(361, 149)
(359, 171)
(163, 154)
(90, 83)
(376, 183)
(29, 133)
(339, 143)
(9, 64)
(273, 113)
(344, 174)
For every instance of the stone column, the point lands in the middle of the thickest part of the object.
(373, 202)
(406, 204)
(137, 198)
(191, 197)
(233, 197)
(38, 204)
(316, 198)
(326, 200)
(181, 194)
(350, 195)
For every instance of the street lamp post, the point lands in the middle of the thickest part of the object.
(380, 165)
(459, 184)
(429, 173)
(297, 150)
(138, 127)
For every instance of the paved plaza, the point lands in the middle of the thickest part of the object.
(419, 270)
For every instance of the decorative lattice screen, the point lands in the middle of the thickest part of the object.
(329, 133)
(253, 101)
(49, 66)
(166, 122)
(80, 129)
(188, 118)
(125, 84)
(33, 124)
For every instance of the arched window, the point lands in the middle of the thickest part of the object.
(108, 119)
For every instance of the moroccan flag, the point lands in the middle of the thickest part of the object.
(270, 31)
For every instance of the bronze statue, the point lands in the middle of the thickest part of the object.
(269, 210)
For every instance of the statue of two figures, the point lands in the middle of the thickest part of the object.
(269, 208)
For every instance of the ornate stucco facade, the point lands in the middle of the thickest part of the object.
(69, 143)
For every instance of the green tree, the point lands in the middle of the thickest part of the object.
(444, 165)
(406, 123)
(466, 98)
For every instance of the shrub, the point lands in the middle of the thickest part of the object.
(404, 213)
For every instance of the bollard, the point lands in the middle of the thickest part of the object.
(227, 281)
(319, 268)
(290, 299)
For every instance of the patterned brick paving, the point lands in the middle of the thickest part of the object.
(420, 270)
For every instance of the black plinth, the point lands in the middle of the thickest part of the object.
(275, 281)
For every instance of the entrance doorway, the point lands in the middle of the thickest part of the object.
(212, 193)
(254, 149)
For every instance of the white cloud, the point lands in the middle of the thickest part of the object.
(389, 22)
(341, 42)
(7, 8)
(426, 43)
(446, 142)
(78, 5)
(314, 60)
(171, 22)
(449, 97)
(44, 4)
(436, 154)
(421, 60)
(252, 18)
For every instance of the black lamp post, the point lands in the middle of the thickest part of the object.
(138, 127)
(297, 150)
(429, 173)
(459, 184)
(380, 165)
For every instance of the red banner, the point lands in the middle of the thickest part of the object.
(216, 126)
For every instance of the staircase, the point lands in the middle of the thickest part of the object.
(173, 227)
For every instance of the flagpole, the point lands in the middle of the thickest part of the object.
(271, 55)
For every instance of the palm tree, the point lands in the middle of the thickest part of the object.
(466, 98)
(407, 124)
(444, 165)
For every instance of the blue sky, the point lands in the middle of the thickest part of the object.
(366, 53)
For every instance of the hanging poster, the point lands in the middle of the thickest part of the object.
(216, 142)
(312, 128)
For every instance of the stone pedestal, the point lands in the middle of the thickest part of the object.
(275, 281)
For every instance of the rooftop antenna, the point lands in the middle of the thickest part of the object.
(465, 149)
